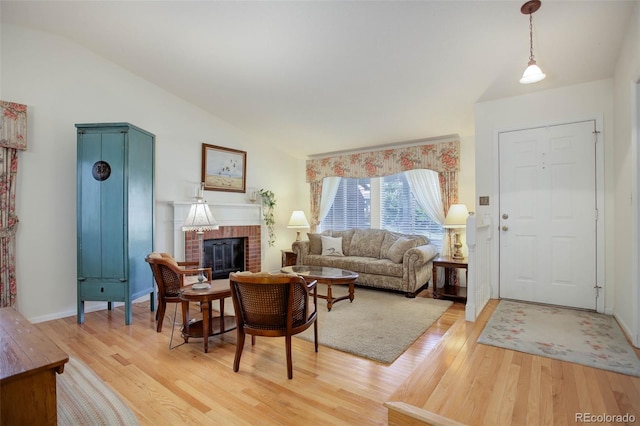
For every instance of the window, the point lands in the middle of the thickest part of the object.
(385, 203)
(351, 207)
(400, 212)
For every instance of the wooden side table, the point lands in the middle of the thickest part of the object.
(450, 290)
(208, 327)
(289, 258)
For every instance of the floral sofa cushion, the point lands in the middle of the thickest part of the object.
(366, 242)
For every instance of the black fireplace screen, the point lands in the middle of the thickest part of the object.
(224, 255)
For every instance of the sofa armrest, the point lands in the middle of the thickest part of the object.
(420, 255)
(416, 266)
(301, 249)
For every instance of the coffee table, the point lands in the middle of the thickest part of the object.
(328, 276)
(219, 290)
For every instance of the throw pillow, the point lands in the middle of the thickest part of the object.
(331, 246)
(397, 249)
(315, 244)
(387, 242)
(346, 239)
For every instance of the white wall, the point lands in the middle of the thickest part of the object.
(625, 177)
(590, 100)
(63, 83)
(466, 181)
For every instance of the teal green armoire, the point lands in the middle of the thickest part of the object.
(115, 214)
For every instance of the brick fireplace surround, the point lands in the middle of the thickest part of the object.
(252, 248)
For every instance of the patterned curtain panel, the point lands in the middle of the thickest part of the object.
(316, 192)
(13, 138)
(442, 157)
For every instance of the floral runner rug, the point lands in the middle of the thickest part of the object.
(582, 337)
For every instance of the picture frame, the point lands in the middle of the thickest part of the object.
(223, 169)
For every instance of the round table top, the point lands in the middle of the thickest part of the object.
(320, 272)
(219, 289)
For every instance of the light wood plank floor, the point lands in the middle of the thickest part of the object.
(444, 371)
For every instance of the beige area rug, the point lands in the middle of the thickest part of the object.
(377, 325)
(582, 337)
(84, 399)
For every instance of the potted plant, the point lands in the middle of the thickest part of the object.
(268, 203)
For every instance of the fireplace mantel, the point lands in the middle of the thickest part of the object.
(226, 214)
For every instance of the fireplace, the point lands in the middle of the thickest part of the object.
(246, 239)
(223, 256)
(236, 221)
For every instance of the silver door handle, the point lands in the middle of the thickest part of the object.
(505, 228)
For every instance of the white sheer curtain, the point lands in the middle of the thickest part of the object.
(329, 189)
(425, 187)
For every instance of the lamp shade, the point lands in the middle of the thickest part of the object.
(298, 220)
(200, 218)
(532, 74)
(457, 216)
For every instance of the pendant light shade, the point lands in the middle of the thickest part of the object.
(533, 73)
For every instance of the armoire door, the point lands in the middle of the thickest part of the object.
(101, 223)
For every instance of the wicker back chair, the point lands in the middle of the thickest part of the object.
(170, 276)
(272, 305)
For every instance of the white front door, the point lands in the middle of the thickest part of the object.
(548, 215)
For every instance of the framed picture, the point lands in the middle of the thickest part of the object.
(223, 169)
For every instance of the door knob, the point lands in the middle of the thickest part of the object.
(505, 228)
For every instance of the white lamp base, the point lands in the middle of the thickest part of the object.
(457, 254)
(200, 257)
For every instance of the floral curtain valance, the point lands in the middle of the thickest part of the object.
(13, 138)
(440, 157)
(13, 126)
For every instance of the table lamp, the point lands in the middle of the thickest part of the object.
(298, 221)
(199, 220)
(456, 219)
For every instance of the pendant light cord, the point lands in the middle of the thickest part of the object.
(531, 37)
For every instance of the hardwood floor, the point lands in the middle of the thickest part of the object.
(445, 371)
(479, 384)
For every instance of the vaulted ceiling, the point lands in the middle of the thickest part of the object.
(322, 76)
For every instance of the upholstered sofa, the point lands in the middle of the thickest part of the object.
(383, 259)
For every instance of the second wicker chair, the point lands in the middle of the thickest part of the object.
(273, 305)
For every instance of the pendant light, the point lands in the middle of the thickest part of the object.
(533, 73)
